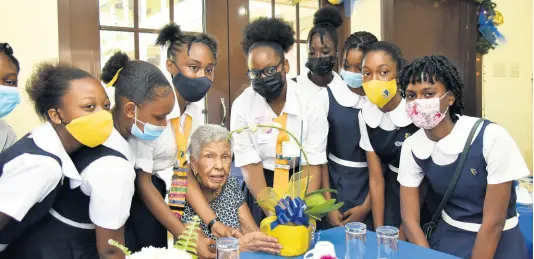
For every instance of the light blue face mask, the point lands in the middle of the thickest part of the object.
(353, 80)
(9, 98)
(151, 132)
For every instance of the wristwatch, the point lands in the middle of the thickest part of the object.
(212, 222)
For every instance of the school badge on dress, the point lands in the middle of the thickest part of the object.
(473, 171)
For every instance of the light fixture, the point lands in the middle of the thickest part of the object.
(242, 11)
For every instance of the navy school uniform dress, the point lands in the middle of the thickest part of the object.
(31, 172)
(493, 158)
(305, 116)
(155, 157)
(101, 199)
(347, 165)
(384, 134)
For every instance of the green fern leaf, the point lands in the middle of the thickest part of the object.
(188, 240)
(192, 250)
(118, 245)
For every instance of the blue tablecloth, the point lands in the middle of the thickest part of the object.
(525, 224)
(337, 237)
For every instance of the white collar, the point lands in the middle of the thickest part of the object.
(373, 115)
(190, 109)
(343, 95)
(452, 144)
(46, 138)
(116, 142)
(304, 81)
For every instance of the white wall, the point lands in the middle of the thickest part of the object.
(31, 28)
(507, 76)
(366, 16)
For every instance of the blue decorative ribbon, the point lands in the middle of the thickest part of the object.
(290, 211)
(349, 7)
(488, 29)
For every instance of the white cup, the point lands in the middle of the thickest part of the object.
(321, 249)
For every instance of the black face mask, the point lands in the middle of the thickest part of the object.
(269, 87)
(191, 89)
(321, 66)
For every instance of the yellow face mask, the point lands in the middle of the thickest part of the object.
(380, 92)
(93, 129)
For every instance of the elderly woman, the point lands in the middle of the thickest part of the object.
(211, 159)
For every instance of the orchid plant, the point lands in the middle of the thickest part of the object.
(315, 203)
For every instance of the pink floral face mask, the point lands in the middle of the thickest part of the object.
(425, 113)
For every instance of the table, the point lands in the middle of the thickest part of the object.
(337, 237)
(525, 224)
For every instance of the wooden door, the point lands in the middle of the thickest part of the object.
(218, 98)
(449, 28)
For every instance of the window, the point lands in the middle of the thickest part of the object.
(300, 16)
(132, 26)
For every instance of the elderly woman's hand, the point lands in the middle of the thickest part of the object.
(221, 230)
(205, 248)
(259, 242)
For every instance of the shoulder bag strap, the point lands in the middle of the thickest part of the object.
(459, 167)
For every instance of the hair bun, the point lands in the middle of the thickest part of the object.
(116, 62)
(7, 49)
(273, 30)
(37, 82)
(328, 16)
(168, 34)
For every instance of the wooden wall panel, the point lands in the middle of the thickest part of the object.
(448, 29)
(79, 34)
(237, 65)
(217, 25)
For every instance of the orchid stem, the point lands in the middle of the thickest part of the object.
(290, 134)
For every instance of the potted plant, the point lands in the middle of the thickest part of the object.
(296, 210)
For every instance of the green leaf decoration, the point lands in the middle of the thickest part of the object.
(314, 200)
(320, 214)
(321, 208)
(118, 245)
(188, 240)
(314, 217)
(321, 191)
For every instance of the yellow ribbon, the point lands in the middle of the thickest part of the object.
(281, 168)
(112, 82)
(178, 191)
(498, 18)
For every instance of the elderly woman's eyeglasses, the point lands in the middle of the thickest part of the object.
(268, 71)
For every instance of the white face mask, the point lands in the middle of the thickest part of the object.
(425, 113)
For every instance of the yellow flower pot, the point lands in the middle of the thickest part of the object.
(295, 240)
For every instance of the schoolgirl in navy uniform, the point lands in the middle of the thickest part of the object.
(346, 170)
(191, 60)
(87, 215)
(9, 93)
(35, 169)
(480, 218)
(384, 126)
(267, 157)
(323, 48)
